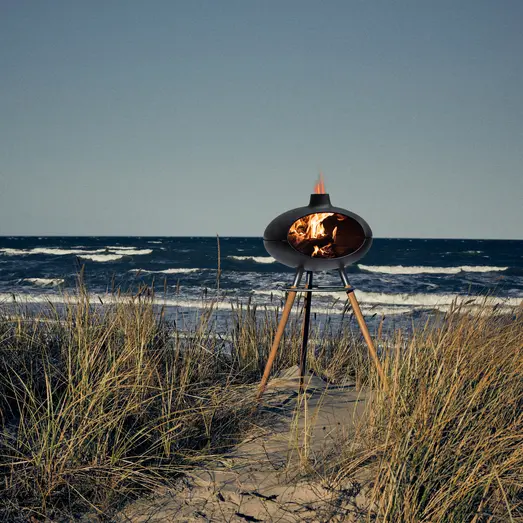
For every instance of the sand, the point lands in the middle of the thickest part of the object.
(276, 473)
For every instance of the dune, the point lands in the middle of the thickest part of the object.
(263, 478)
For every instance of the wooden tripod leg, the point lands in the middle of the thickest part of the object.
(279, 333)
(364, 330)
(305, 330)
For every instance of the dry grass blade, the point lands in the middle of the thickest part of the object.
(447, 441)
(102, 404)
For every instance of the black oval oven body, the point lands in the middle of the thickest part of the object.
(354, 237)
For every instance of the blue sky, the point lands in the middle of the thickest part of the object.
(204, 117)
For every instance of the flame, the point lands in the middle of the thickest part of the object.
(319, 188)
(310, 229)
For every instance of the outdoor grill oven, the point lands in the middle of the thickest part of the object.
(317, 237)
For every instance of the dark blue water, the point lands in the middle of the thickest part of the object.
(397, 277)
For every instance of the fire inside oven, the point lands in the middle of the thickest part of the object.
(326, 235)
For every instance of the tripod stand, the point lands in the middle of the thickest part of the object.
(308, 289)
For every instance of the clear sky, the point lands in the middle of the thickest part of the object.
(203, 117)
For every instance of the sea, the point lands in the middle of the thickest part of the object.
(399, 280)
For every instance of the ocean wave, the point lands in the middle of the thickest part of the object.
(400, 269)
(110, 299)
(372, 303)
(434, 300)
(45, 281)
(179, 270)
(275, 292)
(222, 304)
(101, 257)
(51, 251)
(130, 251)
(257, 259)
(168, 271)
(418, 300)
(383, 310)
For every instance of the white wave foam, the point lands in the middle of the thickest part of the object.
(400, 269)
(420, 300)
(109, 299)
(481, 268)
(275, 292)
(153, 242)
(130, 251)
(180, 270)
(45, 281)
(257, 259)
(168, 271)
(372, 303)
(386, 310)
(101, 257)
(9, 252)
(433, 300)
(120, 251)
(12, 297)
(50, 251)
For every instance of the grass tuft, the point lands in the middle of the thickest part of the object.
(102, 404)
(446, 444)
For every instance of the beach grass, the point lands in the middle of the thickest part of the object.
(445, 443)
(100, 405)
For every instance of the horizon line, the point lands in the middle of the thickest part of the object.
(237, 236)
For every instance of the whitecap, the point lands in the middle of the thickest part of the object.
(130, 251)
(387, 310)
(168, 271)
(372, 303)
(50, 251)
(417, 300)
(433, 300)
(257, 259)
(400, 269)
(101, 257)
(275, 292)
(55, 251)
(45, 281)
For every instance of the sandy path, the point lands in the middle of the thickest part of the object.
(265, 478)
